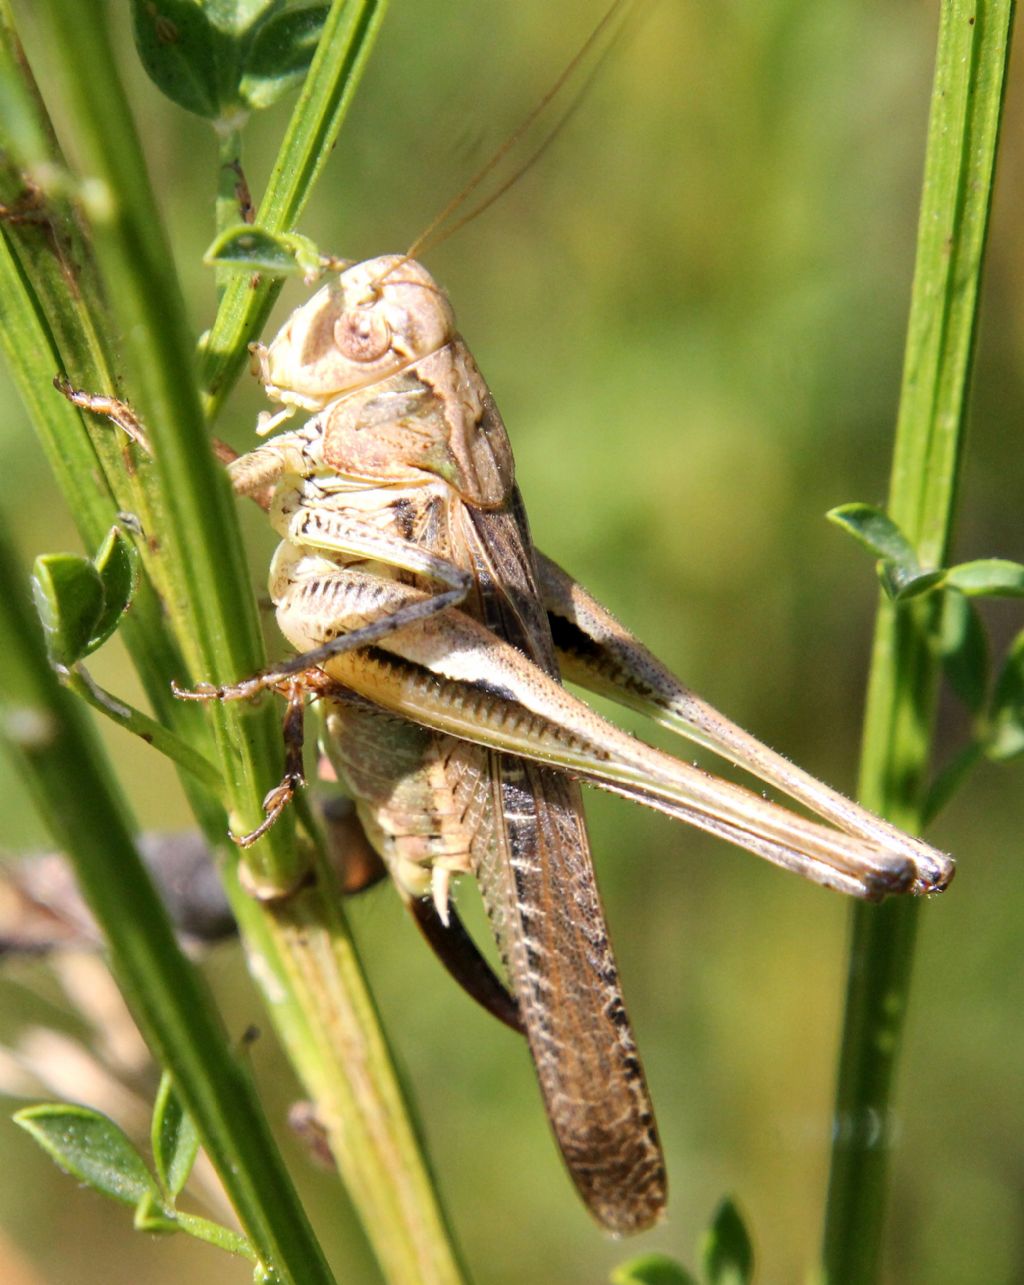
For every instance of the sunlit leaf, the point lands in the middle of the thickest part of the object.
(117, 564)
(181, 51)
(68, 594)
(988, 578)
(237, 16)
(91, 1148)
(726, 1252)
(651, 1269)
(876, 532)
(905, 587)
(173, 1138)
(279, 55)
(253, 249)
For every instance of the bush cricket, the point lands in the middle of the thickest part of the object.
(435, 637)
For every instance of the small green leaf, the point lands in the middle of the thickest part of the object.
(963, 648)
(68, 594)
(91, 1148)
(117, 564)
(988, 578)
(181, 50)
(726, 1251)
(279, 55)
(80, 601)
(651, 1269)
(877, 533)
(173, 1138)
(253, 249)
(902, 587)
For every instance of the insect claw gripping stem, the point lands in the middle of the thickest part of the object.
(247, 689)
(274, 804)
(112, 408)
(295, 689)
(282, 794)
(282, 680)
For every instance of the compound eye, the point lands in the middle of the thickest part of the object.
(363, 335)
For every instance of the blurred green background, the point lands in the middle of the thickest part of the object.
(691, 312)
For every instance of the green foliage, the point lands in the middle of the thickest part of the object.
(963, 647)
(91, 1148)
(24, 131)
(877, 533)
(184, 54)
(725, 1251)
(80, 600)
(80, 603)
(959, 639)
(1006, 711)
(68, 595)
(279, 55)
(651, 1269)
(173, 1138)
(217, 59)
(100, 1154)
(248, 248)
(986, 578)
(900, 572)
(963, 131)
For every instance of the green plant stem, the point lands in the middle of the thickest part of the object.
(299, 946)
(50, 306)
(959, 168)
(134, 721)
(340, 1053)
(210, 1232)
(68, 774)
(228, 209)
(208, 596)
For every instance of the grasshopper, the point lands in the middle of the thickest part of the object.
(435, 636)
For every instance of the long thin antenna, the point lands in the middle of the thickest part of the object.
(432, 234)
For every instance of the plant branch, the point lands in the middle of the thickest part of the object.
(71, 781)
(963, 132)
(298, 945)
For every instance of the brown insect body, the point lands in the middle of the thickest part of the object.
(434, 633)
(407, 574)
(422, 457)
